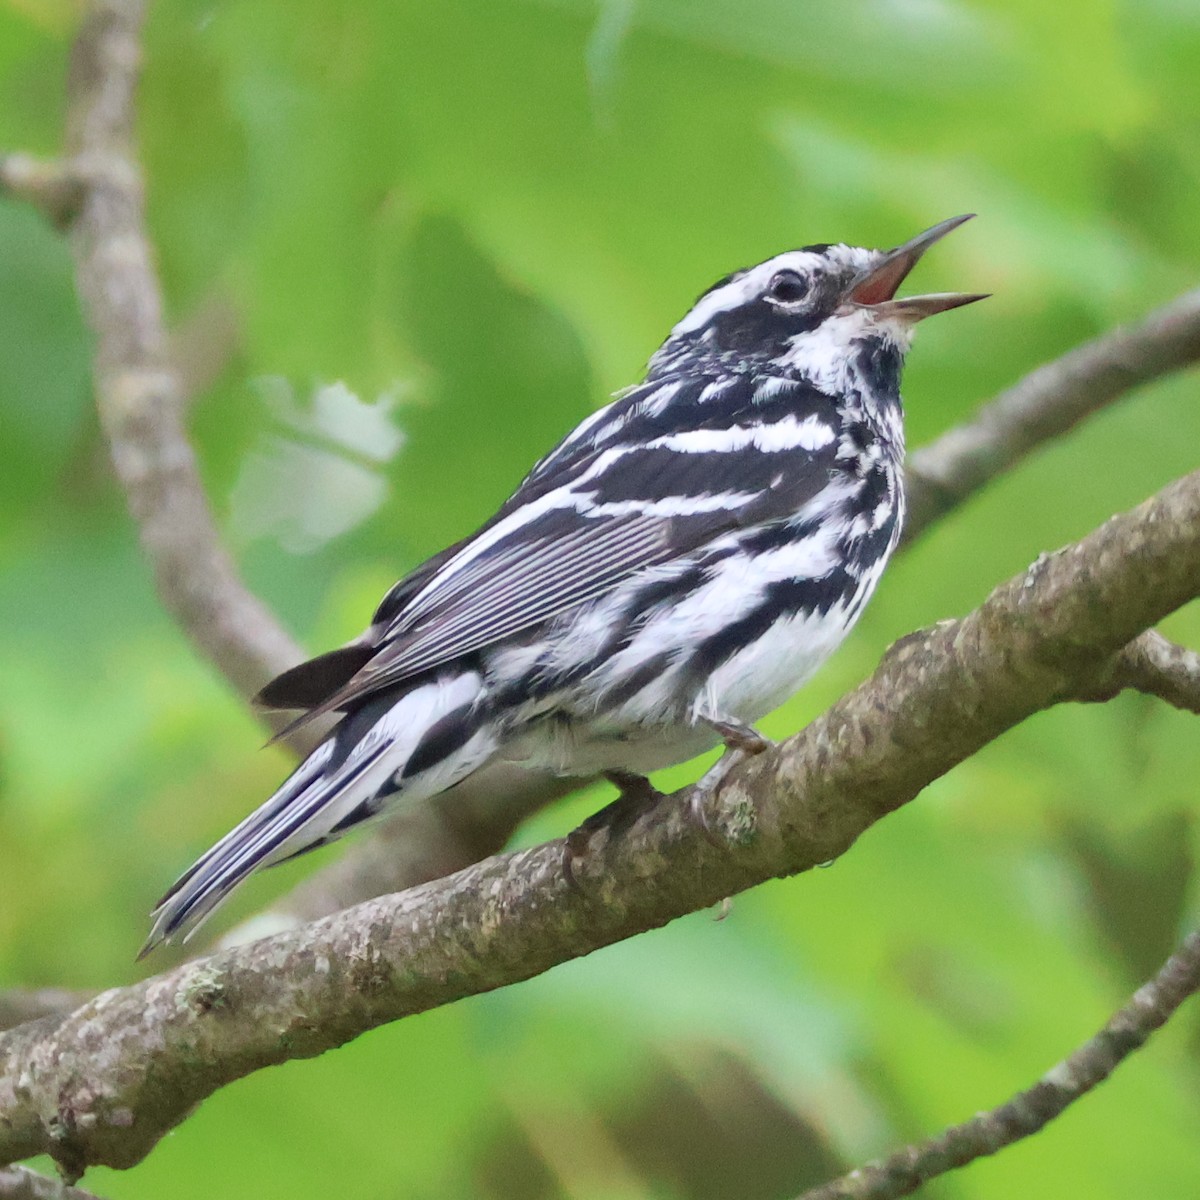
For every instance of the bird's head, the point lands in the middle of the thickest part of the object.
(810, 312)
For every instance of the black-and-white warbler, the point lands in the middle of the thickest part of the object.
(671, 572)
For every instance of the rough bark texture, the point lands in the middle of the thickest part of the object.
(19, 1183)
(1157, 667)
(102, 1084)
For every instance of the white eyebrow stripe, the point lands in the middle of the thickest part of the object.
(744, 286)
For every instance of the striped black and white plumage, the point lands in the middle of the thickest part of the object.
(671, 572)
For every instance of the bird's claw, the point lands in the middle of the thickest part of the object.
(742, 742)
(575, 845)
(738, 736)
(637, 796)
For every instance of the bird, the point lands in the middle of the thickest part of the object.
(671, 572)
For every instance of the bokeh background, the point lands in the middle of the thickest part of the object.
(406, 247)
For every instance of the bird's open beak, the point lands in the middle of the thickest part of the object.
(877, 287)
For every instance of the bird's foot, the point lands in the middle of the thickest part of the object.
(742, 742)
(737, 735)
(637, 796)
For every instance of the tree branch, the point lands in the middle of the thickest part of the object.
(1044, 405)
(1031, 1110)
(103, 1084)
(1157, 667)
(19, 1183)
(52, 187)
(138, 388)
(20, 1005)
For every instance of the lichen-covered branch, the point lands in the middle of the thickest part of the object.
(1030, 1110)
(1047, 403)
(102, 1085)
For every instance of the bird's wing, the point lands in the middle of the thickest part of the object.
(309, 684)
(605, 516)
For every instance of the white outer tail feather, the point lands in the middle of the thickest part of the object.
(313, 801)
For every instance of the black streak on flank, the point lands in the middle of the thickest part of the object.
(779, 534)
(861, 553)
(789, 596)
(782, 598)
(357, 724)
(442, 738)
(873, 490)
(633, 683)
(356, 816)
(633, 616)
(660, 592)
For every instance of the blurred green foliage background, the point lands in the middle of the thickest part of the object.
(407, 246)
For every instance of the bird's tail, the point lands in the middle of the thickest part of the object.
(393, 748)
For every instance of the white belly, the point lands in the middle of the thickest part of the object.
(759, 678)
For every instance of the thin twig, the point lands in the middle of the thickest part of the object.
(1029, 1111)
(1047, 403)
(103, 1084)
(52, 187)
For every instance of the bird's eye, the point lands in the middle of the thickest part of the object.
(787, 287)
